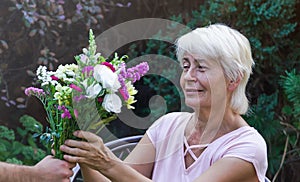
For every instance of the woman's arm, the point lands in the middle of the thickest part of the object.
(97, 156)
(142, 157)
(229, 169)
(89, 174)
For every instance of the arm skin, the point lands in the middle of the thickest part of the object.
(91, 175)
(47, 170)
(138, 162)
(95, 156)
(138, 165)
(229, 169)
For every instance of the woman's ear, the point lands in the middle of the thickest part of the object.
(233, 84)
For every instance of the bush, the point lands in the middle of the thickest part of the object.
(20, 147)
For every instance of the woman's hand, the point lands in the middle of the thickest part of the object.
(91, 152)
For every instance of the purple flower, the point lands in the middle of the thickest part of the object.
(122, 77)
(34, 91)
(124, 92)
(66, 113)
(78, 98)
(135, 73)
(75, 87)
(88, 70)
(78, 8)
(61, 17)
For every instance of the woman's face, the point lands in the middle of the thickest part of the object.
(203, 83)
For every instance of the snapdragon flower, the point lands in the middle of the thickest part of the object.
(66, 113)
(88, 71)
(75, 87)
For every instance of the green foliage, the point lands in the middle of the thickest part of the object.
(20, 147)
(267, 24)
(291, 86)
(263, 117)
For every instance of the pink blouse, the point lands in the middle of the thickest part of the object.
(167, 135)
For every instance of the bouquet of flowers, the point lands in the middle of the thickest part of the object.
(86, 95)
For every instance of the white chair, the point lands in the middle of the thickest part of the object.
(120, 147)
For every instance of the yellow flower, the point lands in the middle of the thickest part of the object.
(131, 89)
(63, 94)
(129, 102)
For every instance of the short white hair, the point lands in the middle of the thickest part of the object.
(230, 49)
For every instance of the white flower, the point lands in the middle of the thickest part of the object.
(84, 59)
(107, 77)
(45, 76)
(112, 103)
(97, 56)
(66, 71)
(92, 90)
(85, 51)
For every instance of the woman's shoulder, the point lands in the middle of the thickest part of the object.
(177, 115)
(173, 118)
(245, 141)
(245, 135)
(170, 123)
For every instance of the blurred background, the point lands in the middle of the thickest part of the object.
(52, 32)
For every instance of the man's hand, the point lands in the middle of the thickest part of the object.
(50, 169)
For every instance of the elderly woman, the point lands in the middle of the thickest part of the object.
(214, 143)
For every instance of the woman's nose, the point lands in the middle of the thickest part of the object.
(190, 74)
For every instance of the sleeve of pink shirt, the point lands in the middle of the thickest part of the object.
(252, 149)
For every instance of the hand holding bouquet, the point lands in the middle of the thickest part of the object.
(86, 95)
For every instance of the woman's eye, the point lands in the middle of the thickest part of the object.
(201, 68)
(185, 67)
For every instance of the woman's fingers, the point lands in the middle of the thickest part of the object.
(74, 159)
(91, 137)
(53, 152)
(78, 144)
(73, 151)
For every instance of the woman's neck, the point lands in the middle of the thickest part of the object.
(208, 127)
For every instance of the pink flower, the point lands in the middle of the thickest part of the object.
(123, 91)
(54, 77)
(66, 113)
(78, 98)
(100, 99)
(109, 65)
(34, 91)
(75, 87)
